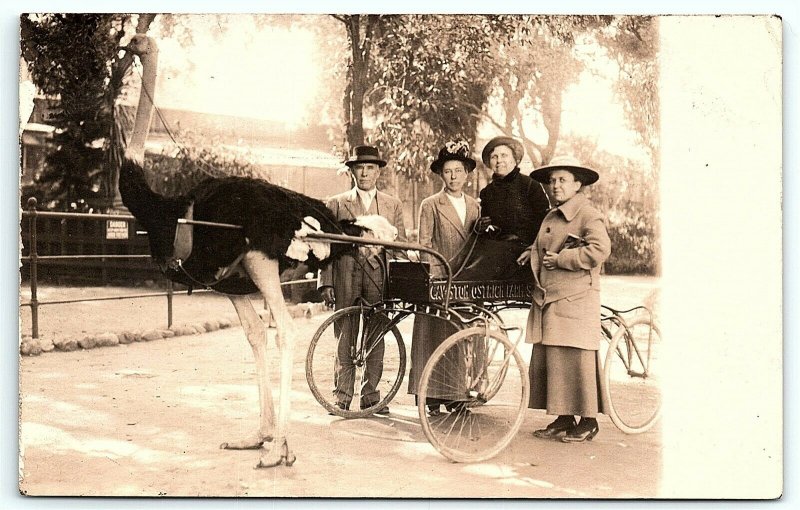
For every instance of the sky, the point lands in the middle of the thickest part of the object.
(244, 71)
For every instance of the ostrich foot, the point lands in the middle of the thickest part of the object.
(255, 442)
(276, 456)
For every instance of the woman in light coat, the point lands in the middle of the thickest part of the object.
(564, 321)
(445, 223)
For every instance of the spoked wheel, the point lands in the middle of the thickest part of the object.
(356, 359)
(632, 376)
(482, 375)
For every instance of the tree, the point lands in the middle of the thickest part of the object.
(73, 58)
(69, 56)
(425, 69)
(531, 63)
(632, 43)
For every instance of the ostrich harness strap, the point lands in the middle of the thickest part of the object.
(182, 250)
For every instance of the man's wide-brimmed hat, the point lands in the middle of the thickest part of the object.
(364, 154)
(587, 176)
(453, 151)
(512, 143)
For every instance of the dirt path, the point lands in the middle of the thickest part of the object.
(147, 418)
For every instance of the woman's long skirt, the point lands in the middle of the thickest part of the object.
(566, 381)
(429, 333)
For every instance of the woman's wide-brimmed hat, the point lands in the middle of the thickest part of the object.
(587, 176)
(364, 154)
(453, 151)
(512, 143)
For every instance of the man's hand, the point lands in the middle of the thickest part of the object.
(328, 295)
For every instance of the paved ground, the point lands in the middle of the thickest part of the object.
(147, 418)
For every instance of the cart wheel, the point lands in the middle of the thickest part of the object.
(484, 376)
(632, 376)
(354, 339)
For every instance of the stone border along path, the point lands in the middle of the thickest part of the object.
(35, 346)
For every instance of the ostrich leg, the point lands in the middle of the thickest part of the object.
(256, 332)
(264, 272)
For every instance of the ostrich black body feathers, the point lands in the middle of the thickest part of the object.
(269, 216)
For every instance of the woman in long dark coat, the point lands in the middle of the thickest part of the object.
(564, 322)
(445, 223)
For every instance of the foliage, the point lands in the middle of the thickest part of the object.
(69, 57)
(435, 78)
(407, 83)
(73, 58)
(533, 62)
(426, 79)
(627, 193)
(175, 173)
(632, 42)
(424, 69)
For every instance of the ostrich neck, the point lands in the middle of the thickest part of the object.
(144, 110)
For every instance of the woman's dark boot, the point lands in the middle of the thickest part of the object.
(561, 424)
(584, 431)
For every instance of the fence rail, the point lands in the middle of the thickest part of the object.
(34, 260)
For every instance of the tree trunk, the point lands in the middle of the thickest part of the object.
(359, 33)
(551, 114)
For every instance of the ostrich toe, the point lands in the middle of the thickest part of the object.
(254, 442)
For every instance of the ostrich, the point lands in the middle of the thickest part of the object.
(273, 222)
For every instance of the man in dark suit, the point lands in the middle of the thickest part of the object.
(359, 275)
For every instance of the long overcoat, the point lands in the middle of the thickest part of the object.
(566, 300)
(441, 229)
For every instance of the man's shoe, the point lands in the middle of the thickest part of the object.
(584, 431)
(561, 425)
(383, 410)
(340, 405)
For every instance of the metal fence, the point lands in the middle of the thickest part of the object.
(116, 225)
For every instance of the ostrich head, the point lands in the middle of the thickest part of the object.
(142, 46)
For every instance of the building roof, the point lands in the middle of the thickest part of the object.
(259, 155)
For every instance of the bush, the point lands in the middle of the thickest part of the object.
(174, 174)
(627, 194)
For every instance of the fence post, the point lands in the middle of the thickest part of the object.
(169, 303)
(32, 253)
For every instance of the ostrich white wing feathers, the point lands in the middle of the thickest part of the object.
(378, 226)
(300, 246)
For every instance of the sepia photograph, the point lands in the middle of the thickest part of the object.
(415, 255)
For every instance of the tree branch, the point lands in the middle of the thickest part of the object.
(143, 25)
(372, 20)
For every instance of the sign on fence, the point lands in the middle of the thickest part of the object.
(116, 229)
